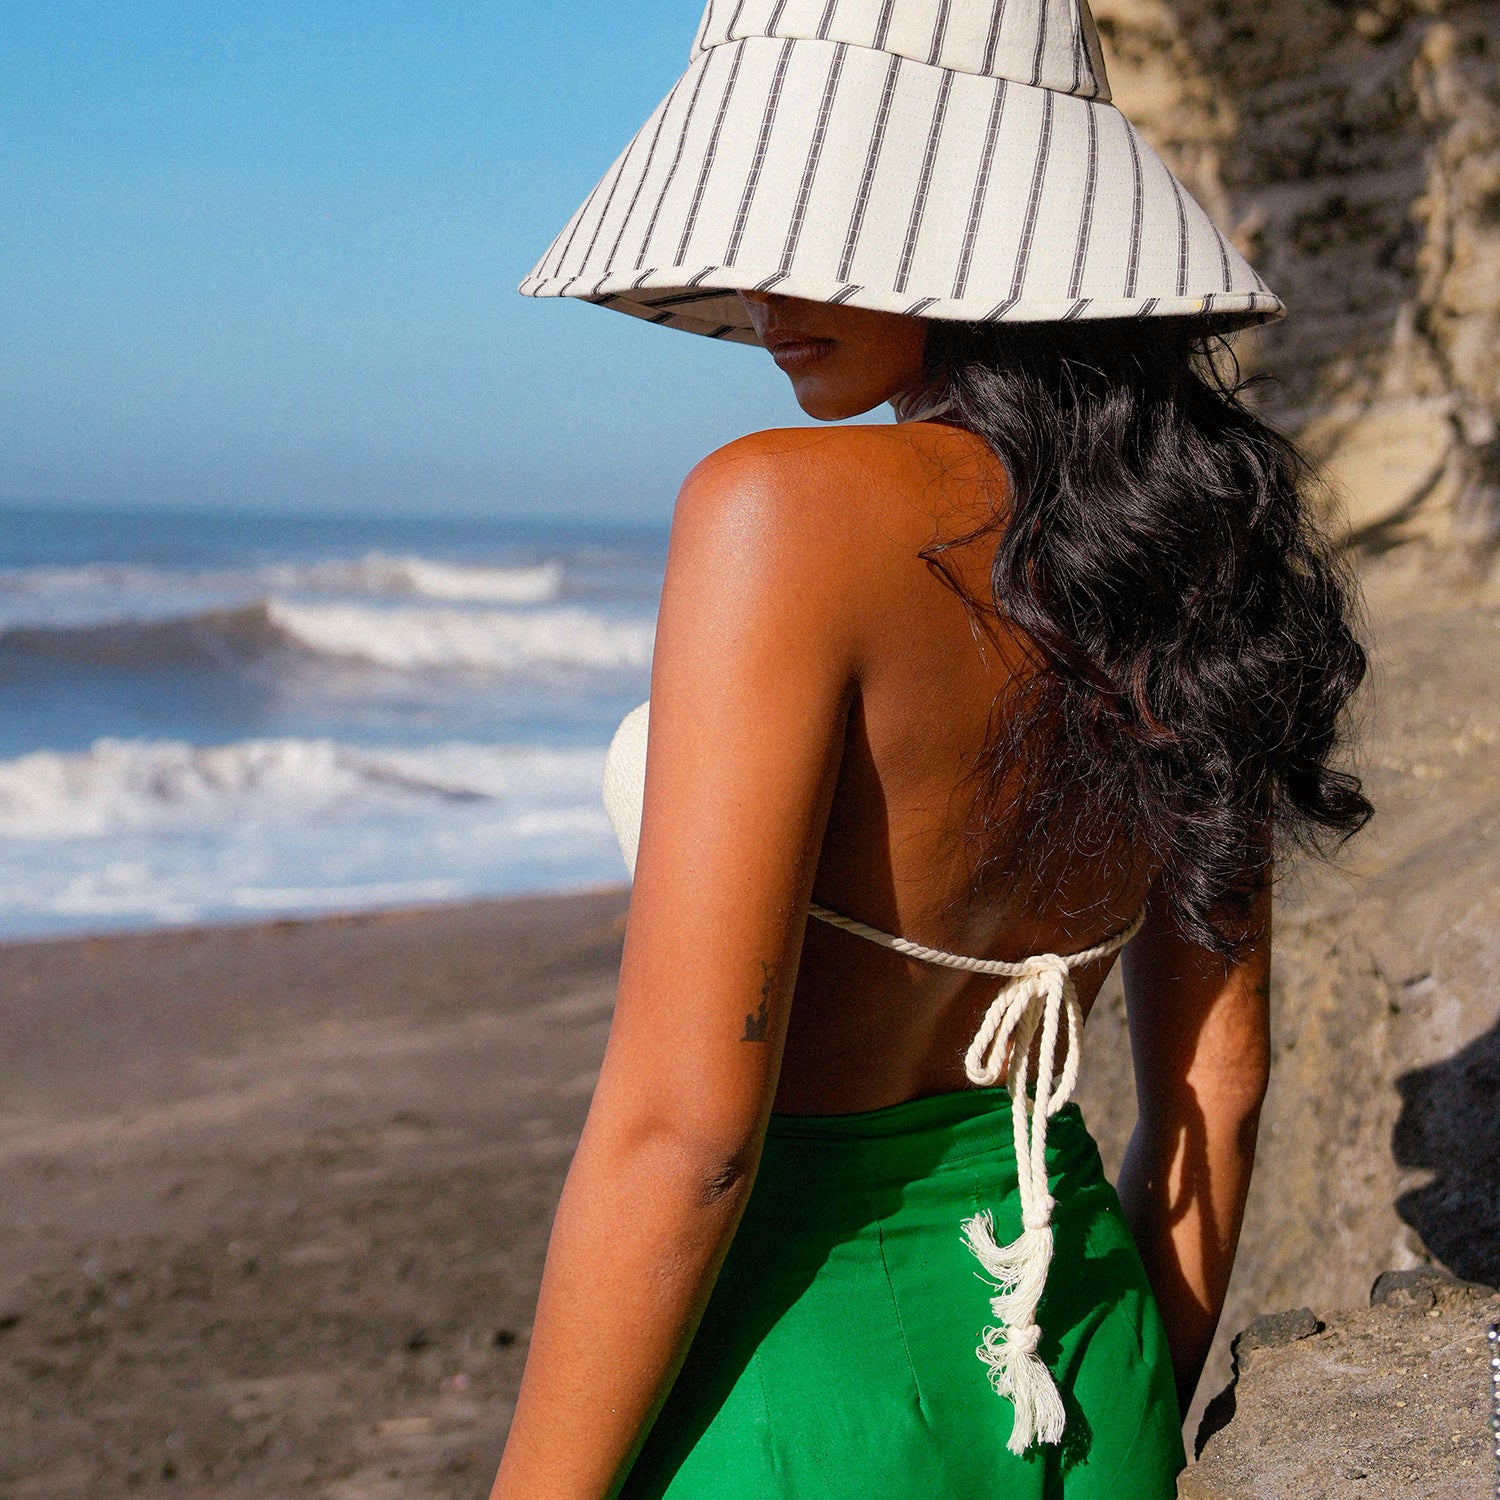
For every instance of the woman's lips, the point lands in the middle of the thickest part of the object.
(797, 353)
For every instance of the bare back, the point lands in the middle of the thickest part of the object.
(869, 1028)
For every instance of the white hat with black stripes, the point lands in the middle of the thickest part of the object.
(942, 158)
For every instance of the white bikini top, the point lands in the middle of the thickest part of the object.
(1037, 993)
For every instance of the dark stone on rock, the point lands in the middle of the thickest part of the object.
(1274, 1331)
(1416, 1287)
(1419, 1287)
(1269, 1331)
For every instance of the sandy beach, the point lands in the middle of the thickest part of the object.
(276, 1196)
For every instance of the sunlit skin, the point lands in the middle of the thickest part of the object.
(818, 695)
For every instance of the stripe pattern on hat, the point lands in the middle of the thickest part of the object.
(817, 149)
(1042, 43)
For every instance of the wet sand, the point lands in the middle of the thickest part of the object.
(276, 1197)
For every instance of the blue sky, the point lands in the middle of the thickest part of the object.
(263, 254)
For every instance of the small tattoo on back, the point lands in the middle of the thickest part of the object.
(756, 1021)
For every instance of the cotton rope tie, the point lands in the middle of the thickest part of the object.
(921, 405)
(1038, 994)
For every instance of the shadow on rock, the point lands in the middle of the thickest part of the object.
(1450, 1125)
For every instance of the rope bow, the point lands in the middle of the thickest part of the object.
(1038, 996)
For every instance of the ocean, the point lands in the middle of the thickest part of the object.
(223, 717)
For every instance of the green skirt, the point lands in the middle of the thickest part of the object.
(837, 1355)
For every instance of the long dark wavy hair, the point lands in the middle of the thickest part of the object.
(1192, 630)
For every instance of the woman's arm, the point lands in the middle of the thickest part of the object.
(1200, 1036)
(750, 694)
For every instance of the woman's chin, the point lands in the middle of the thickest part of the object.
(825, 405)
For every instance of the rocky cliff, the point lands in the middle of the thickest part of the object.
(1352, 148)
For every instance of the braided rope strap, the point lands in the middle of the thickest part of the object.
(1038, 995)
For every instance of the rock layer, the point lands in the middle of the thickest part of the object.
(1389, 1403)
(1353, 151)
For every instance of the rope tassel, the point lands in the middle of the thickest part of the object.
(1038, 998)
(1019, 1269)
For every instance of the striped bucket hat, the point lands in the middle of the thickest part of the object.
(943, 158)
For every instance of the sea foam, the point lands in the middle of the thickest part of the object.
(140, 785)
(419, 577)
(409, 639)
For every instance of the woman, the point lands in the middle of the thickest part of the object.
(990, 694)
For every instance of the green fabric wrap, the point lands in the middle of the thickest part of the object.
(837, 1356)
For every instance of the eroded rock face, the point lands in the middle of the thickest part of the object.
(1392, 1403)
(1353, 151)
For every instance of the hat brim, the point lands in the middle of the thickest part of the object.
(843, 174)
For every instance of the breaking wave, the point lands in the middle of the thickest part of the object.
(375, 574)
(401, 638)
(206, 718)
(422, 578)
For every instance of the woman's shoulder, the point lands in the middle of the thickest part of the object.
(797, 454)
(849, 491)
(830, 530)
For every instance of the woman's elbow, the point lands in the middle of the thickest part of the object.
(703, 1172)
(1230, 1101)
(723, 1179)
(709, 1164)
(1226, 1097)
(1231, 1068)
